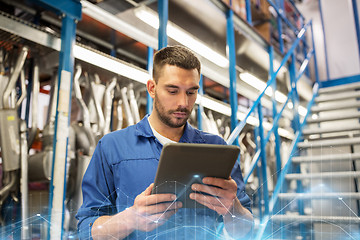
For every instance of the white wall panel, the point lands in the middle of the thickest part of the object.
(341, 40)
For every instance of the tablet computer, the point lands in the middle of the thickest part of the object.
(182, 164)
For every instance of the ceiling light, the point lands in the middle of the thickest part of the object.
(149, 17)
(46, 87)
(260, 85)
(110, 64)
(290, 105)
(302, 111)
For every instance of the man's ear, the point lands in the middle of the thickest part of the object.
(150, 86)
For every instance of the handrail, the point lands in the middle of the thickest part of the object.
(242, 124)
(280, 182)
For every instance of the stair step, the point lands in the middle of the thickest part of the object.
(334, 118)
(337, 96)
(329, 143)
(312, 196)
(341, 88)
(310, 131)
(320, 175)
(327, 158)
(316, 219)
(337, 106)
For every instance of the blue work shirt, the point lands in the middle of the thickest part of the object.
(124, 164)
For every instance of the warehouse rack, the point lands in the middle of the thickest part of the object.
(40, 36)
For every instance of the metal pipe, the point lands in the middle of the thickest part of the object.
(129, 117)
(149, 100)
(230, 39)
(24, 182)
(248, 11)
(108, 104)
(120, 117)
(34, 103)
(79, 99)
(23, 89)
(274, 111)
(14, 76)
(133, 105)
(200, 108)
(263, 161)
(163, 6)
(315, 61)
(62, 120)
(99, 112)
(53, 97)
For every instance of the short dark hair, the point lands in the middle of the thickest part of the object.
(176, 56)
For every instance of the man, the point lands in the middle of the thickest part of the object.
(117, 199)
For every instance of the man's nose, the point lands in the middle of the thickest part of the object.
(183, 100)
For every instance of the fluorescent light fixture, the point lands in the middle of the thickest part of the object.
(290, 105)
(111, 64)
(260, 85)
(46, 87)
(149, 17)
(302, 111)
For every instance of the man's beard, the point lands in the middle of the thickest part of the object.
(166, 118)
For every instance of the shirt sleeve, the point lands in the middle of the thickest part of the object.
(98, 193)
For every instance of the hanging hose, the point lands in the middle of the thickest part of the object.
(34, 104)
(14, 76)
(108, 96)
(129, 117)
(99, 112)
(79, 99)
(120, 117)
(133, 104)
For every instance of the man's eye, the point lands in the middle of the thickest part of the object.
(191, 92)
(172, 92)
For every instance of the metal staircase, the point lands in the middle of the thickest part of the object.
(320, 196)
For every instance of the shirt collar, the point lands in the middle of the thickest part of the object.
(191, 135)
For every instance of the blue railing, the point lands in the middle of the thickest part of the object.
(293, 96)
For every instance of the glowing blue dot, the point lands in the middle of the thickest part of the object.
(156, 221)
(196, 176)
(340, 198)
(38, 215)
(233, 216)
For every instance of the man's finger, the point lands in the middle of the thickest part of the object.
(163, 207)
(148, 190)
(220, 182)
(156, 198)
(215, 191)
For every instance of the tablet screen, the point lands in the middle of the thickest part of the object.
(182, 164)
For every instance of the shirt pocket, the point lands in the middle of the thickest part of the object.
(131, 178)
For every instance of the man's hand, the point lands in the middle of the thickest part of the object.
(223, 190)
(148, 212)
(152, 210)
(238, 220)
